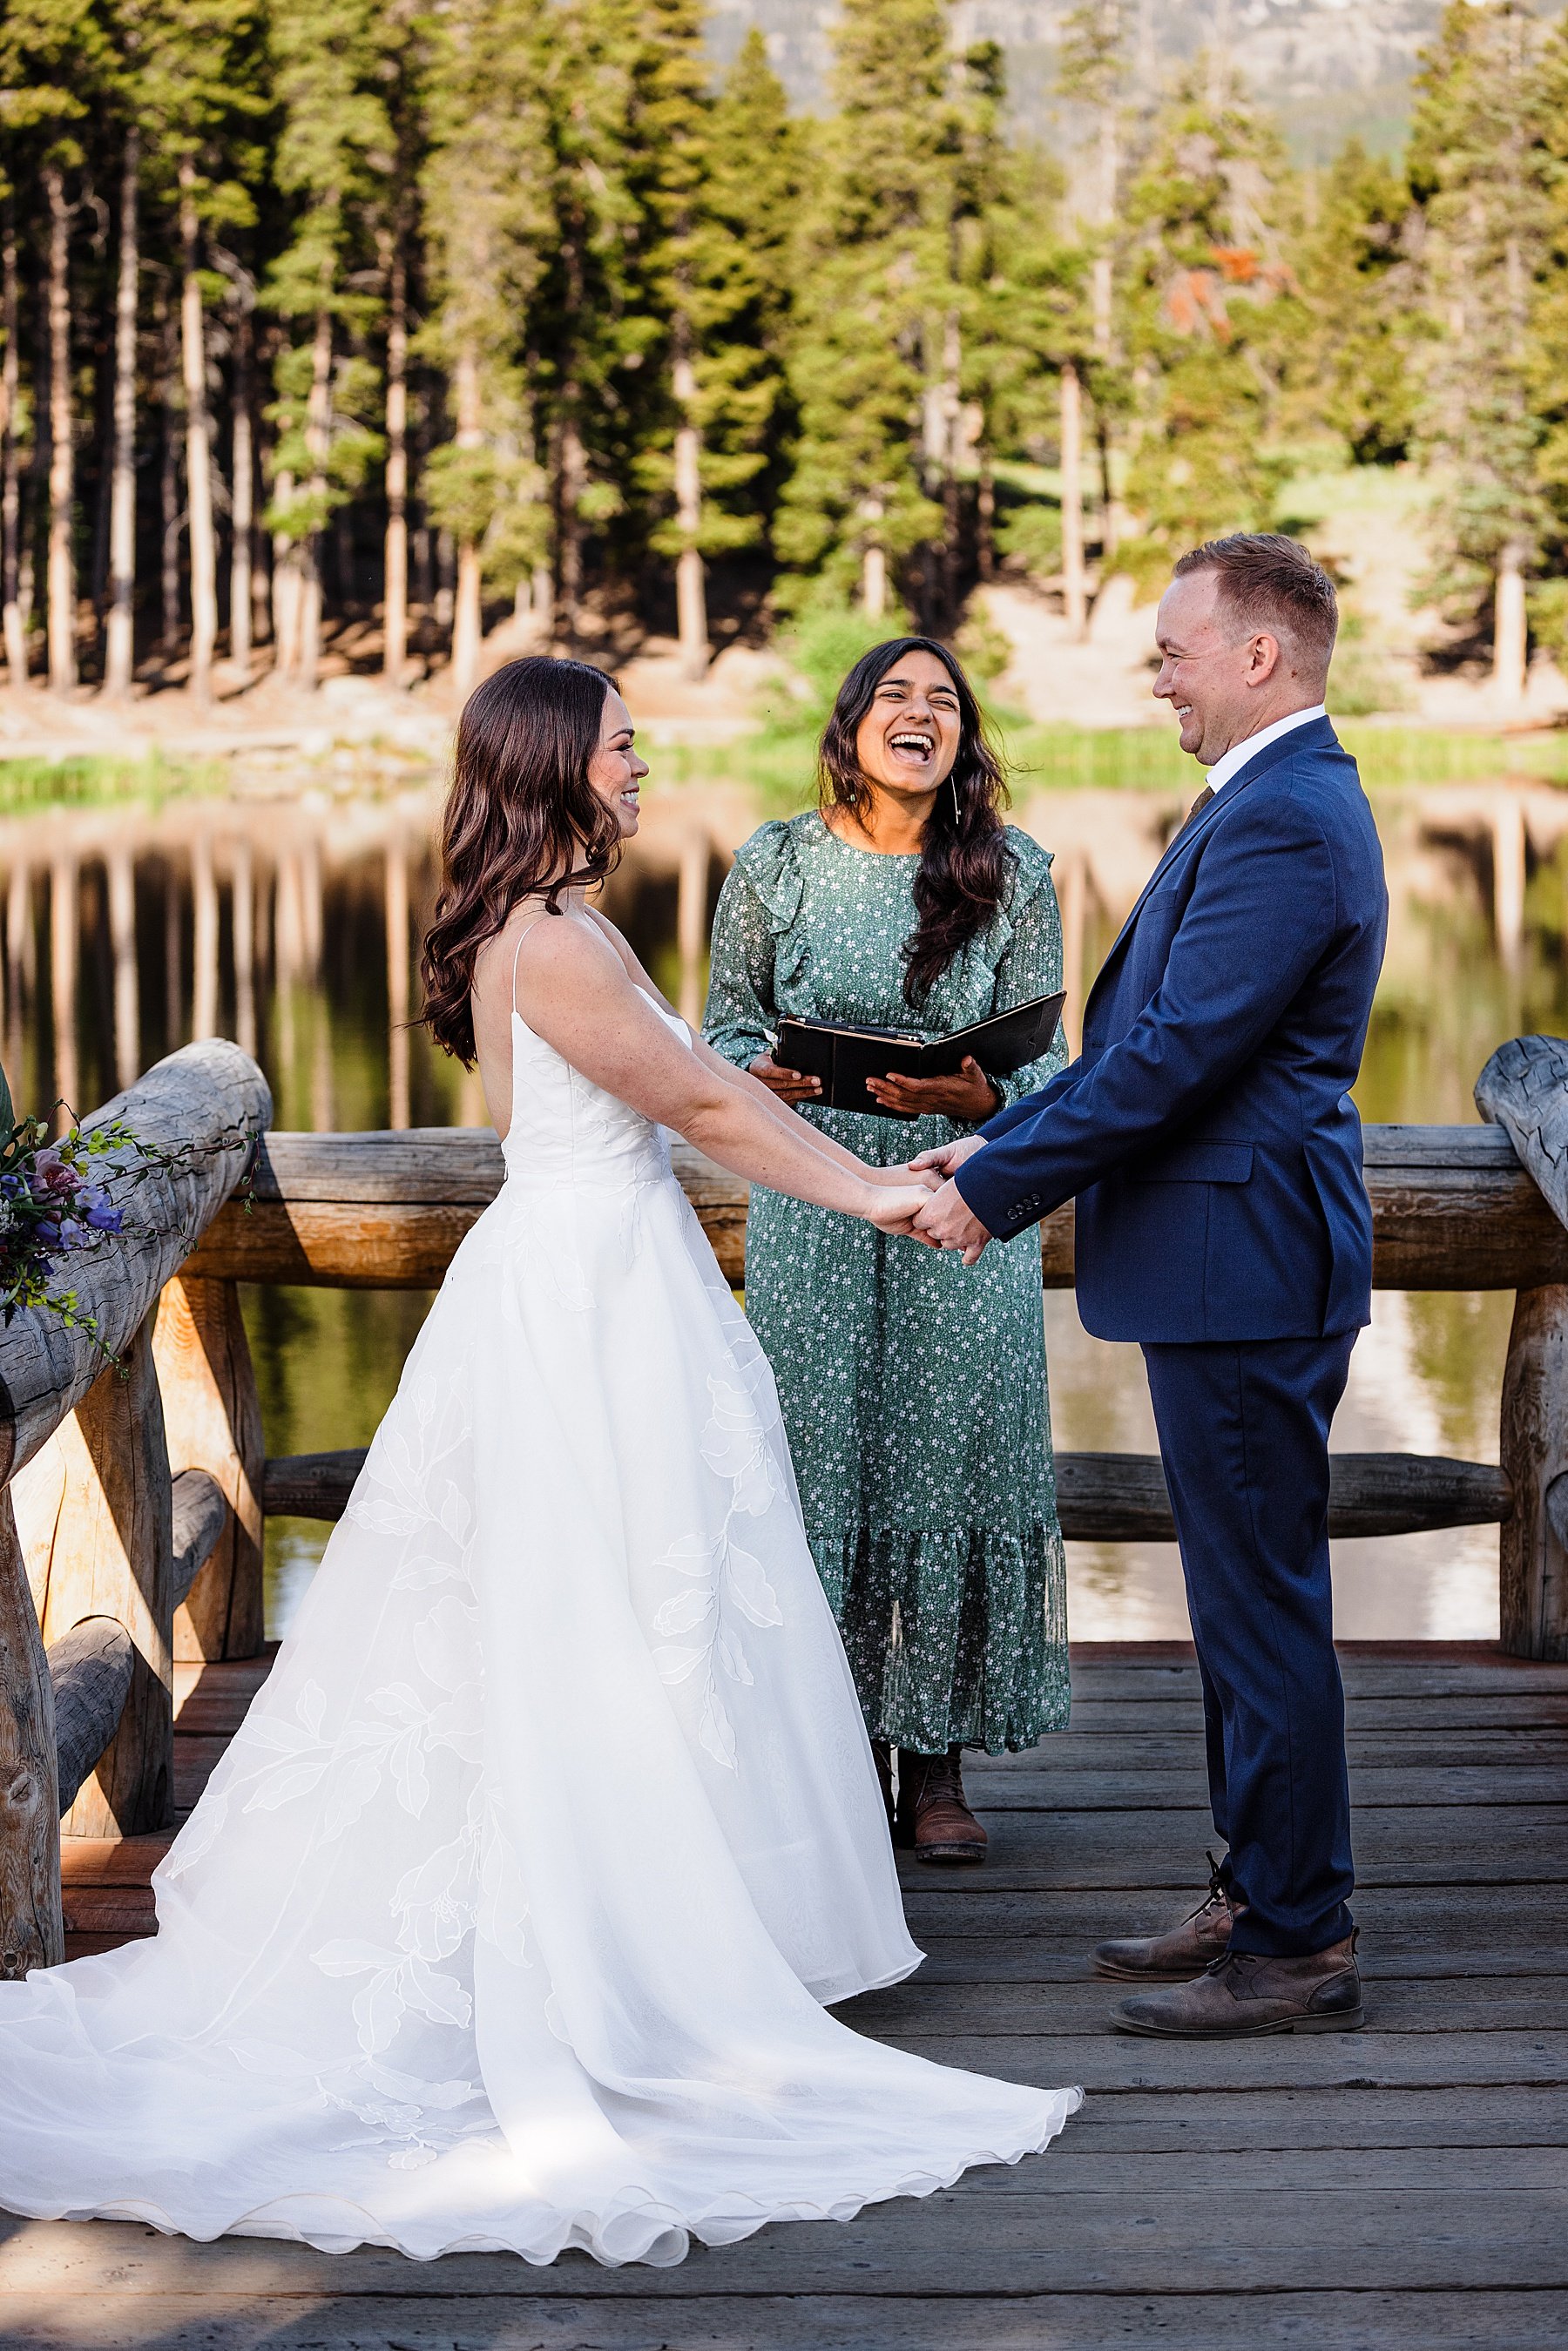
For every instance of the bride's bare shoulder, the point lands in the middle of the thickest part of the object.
(567, 951)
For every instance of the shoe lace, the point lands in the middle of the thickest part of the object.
(1218, 1890)
(943, 1783)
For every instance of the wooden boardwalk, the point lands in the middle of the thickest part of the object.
(1404, 2186)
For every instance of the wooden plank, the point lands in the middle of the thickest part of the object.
(1156, 1786)
(986, 2236)
(1452, 1208)
(925, 2007)
(1108, 2061)
(92, 1668)
(692, 2320)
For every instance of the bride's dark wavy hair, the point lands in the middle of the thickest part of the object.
(965, 860)
(521, 820)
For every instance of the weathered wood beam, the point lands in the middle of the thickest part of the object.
(1524, 1089)
(109, 1551)
(1101, 1496)
(212, 1413)
(32, 1930)
(92, 1668)
(191, 1102)
(1452, 1209)
(200, 1521)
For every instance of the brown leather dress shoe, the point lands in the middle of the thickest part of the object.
(1245, 1994)
(1185, 1951)
(934, 1815)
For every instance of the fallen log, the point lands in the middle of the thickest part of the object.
(1100, 1497)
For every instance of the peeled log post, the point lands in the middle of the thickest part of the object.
(213, 1417)
(111, 1553)
(32, 1931)
(200, 1100)
(1524, 1089)
(91, 1668)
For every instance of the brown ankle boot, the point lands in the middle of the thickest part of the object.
(934, 1814)
(1183, 1952)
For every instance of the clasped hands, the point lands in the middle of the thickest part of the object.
(945, 1220)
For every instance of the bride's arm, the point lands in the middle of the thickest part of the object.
(898, 1178)
(582, 1001)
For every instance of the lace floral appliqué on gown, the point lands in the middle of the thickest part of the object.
(506, 1920)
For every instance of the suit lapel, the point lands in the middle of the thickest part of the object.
(1189, 834)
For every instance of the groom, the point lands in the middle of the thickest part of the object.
(1207, 1133)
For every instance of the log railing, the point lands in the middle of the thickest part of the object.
(139, 1496)
(119, 1539)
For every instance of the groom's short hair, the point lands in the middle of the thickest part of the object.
(1269, 582)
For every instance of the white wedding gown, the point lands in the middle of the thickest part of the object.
(507, 1919)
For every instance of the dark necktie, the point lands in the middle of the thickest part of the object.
(1198, 805)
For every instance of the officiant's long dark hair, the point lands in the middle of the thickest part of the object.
(521, 820)
(965, 862)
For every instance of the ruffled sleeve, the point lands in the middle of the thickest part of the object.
(1029, 962)
(759, 901)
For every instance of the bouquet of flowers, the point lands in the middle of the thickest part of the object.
(56, 1204)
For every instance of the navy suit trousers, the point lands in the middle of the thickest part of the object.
(1243, 1431)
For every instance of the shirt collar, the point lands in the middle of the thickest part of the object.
(1219, 775)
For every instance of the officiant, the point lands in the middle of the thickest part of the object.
(914, 1391)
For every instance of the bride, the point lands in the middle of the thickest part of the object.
(508, 1920)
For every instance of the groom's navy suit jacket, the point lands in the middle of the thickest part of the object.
(1207, 1129)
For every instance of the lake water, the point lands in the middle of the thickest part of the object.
(127, 931)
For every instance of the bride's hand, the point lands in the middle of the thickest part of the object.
(900, 1178)
(893, 1209)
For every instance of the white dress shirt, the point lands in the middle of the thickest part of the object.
(1219, 775)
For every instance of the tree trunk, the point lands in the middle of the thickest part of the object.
(986, 515)
(467, 620)
(874, 563)
(169, 497)
(317, 439)
(572, 465)
(198, 450)
(62, 592)
(691, 599)
(1075, 599)
(394, 655)
(1509, 635)
(242, 492)
(119, 648)
(10, 472)
(1108, 529)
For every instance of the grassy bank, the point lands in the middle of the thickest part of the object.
(27, 786)
(778, 766)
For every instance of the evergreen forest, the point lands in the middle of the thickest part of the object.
(420, 313)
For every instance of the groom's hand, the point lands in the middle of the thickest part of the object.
(947, 1222)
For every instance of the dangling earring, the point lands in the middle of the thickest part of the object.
(953, 788)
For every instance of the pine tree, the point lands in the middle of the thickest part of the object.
(191, 79)
(876, 286)
(717, 198)
(489, 224)
(1477, 168)
(1208, 305)
(55, 60)
(334, 158)
(1358, 284)
(1546, 364)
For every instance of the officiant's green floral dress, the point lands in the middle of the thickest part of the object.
(913, 1389)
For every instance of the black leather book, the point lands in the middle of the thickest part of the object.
(844, 1057)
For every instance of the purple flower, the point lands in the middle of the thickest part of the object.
(100, 1212)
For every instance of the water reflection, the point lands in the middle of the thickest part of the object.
(292, 923)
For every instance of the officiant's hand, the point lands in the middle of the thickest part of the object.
(791, 1085)
(970, 1097)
